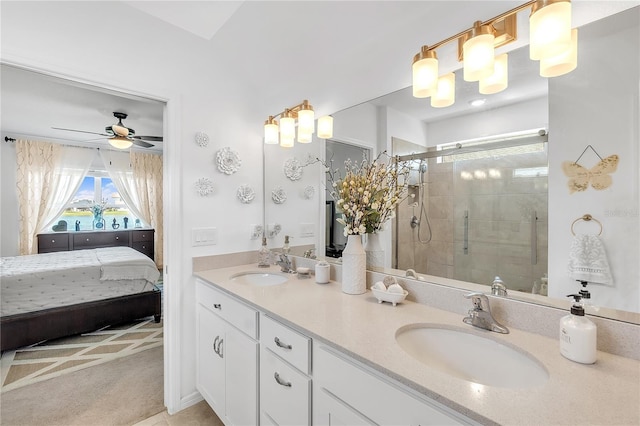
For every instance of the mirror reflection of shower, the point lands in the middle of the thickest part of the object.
(420, 222)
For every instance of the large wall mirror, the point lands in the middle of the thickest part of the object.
(503, 210)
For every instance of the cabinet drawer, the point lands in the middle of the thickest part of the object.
(145, 247)
(235, 312)
(100, 239)
(285, 393)
(377, 399)
(52, 242)
(139, 236)
(292, 346)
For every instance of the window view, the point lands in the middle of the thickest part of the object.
(98, 194)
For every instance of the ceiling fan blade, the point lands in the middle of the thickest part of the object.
(140, 143)
(80, 131)
(149, 138)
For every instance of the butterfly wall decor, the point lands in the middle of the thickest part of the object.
(598, 176)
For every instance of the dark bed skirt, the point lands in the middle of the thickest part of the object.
(33, 327)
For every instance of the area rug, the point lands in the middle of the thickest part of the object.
(54, 358)
(123, 391)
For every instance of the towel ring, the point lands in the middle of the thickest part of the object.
(586, 218)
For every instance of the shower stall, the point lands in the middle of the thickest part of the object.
(475, 210)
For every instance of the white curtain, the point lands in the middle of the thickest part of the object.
(48, 175)
(138, 177)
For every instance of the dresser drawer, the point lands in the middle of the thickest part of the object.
(145, 247)
(141, 236)
(90, 240)
(290, 345)
(51, 242)
(233, 311)
(285, 393)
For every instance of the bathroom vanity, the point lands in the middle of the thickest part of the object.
(290, 351)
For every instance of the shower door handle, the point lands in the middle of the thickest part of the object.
(465, 247)
(534, 237)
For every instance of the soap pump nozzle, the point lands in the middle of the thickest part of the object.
(577, 308)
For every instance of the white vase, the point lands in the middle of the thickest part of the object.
(354, 266)
(375, 254)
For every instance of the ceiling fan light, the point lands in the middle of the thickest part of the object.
(325, 127)
(563, 63)
(478, 53)
(120, 142)
(499, 80)
(425, 73)
(549, 28)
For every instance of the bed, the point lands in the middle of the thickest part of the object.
(52, 295)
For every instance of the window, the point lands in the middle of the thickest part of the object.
(97, 187)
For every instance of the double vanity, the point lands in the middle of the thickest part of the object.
(275, 349)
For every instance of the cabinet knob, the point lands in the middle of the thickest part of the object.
(53, 241)
(117, 238)
(281, 344)
(87, 240)
(280, 381)
(144, 235)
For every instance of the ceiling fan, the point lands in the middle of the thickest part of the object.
(121, 136)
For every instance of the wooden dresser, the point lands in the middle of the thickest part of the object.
(139, 239)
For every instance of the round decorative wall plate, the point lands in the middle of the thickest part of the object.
(309, 191)
(245, 194)
(278, 195)
(202, 139)
(292, 169)
(228, 161)
(204, 186)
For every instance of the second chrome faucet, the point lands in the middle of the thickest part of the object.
(480, 315)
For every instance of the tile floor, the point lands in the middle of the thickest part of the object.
(199, 414)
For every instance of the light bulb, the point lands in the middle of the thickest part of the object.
(499, 80)
(478, 53)
(562, 63)
(306, 121)
(549, 28)
(271, 131)
(287, 127)
(325, 127)
(425, 73)
(445, 94)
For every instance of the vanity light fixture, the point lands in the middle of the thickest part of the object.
(120, 142)
(552, 41)
(303, 117)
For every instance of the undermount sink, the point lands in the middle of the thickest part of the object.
(471, 357)
(259, 278)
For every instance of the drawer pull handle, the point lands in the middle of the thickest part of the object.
(280, 381)
(117, 238)
(221, 348)
(215, 344)
(87, 240)
(53, 241)
(282, 345)
(217, 306)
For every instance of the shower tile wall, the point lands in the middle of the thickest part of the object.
(500, 227)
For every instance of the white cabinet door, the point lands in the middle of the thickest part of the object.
(210, 365)
(241, 355)
(330, 411)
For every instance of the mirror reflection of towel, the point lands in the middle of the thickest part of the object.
(588, 260)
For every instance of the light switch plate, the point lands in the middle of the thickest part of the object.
(307, 230)
(204, 236)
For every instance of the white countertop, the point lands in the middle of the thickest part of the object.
(604, 393)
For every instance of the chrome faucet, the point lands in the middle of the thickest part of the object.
(480, 315)
(498, 288)
(285, 263)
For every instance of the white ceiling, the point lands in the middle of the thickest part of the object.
(338, 37)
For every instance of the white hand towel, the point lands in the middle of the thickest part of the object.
(588, 260)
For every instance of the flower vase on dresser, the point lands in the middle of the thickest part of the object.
(98, 221)
(375, 254)
(354, 266)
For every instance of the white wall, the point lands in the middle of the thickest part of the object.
(606, 117)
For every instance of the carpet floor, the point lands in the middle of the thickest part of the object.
(54, 358)
(122, 391)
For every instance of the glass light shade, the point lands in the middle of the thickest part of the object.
(120, 142)
(478, 57)
(304, 137)
(562, 63)
(271, 133)
(120, 130)
(306, 121)
(445, 94)
(424, 73)
(499, 80)
(325, 127)
(550, 30)
(286, 142)
(287, 128)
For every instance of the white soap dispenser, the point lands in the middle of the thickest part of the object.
(578, 335)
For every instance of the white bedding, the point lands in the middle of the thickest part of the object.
(41, 281)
